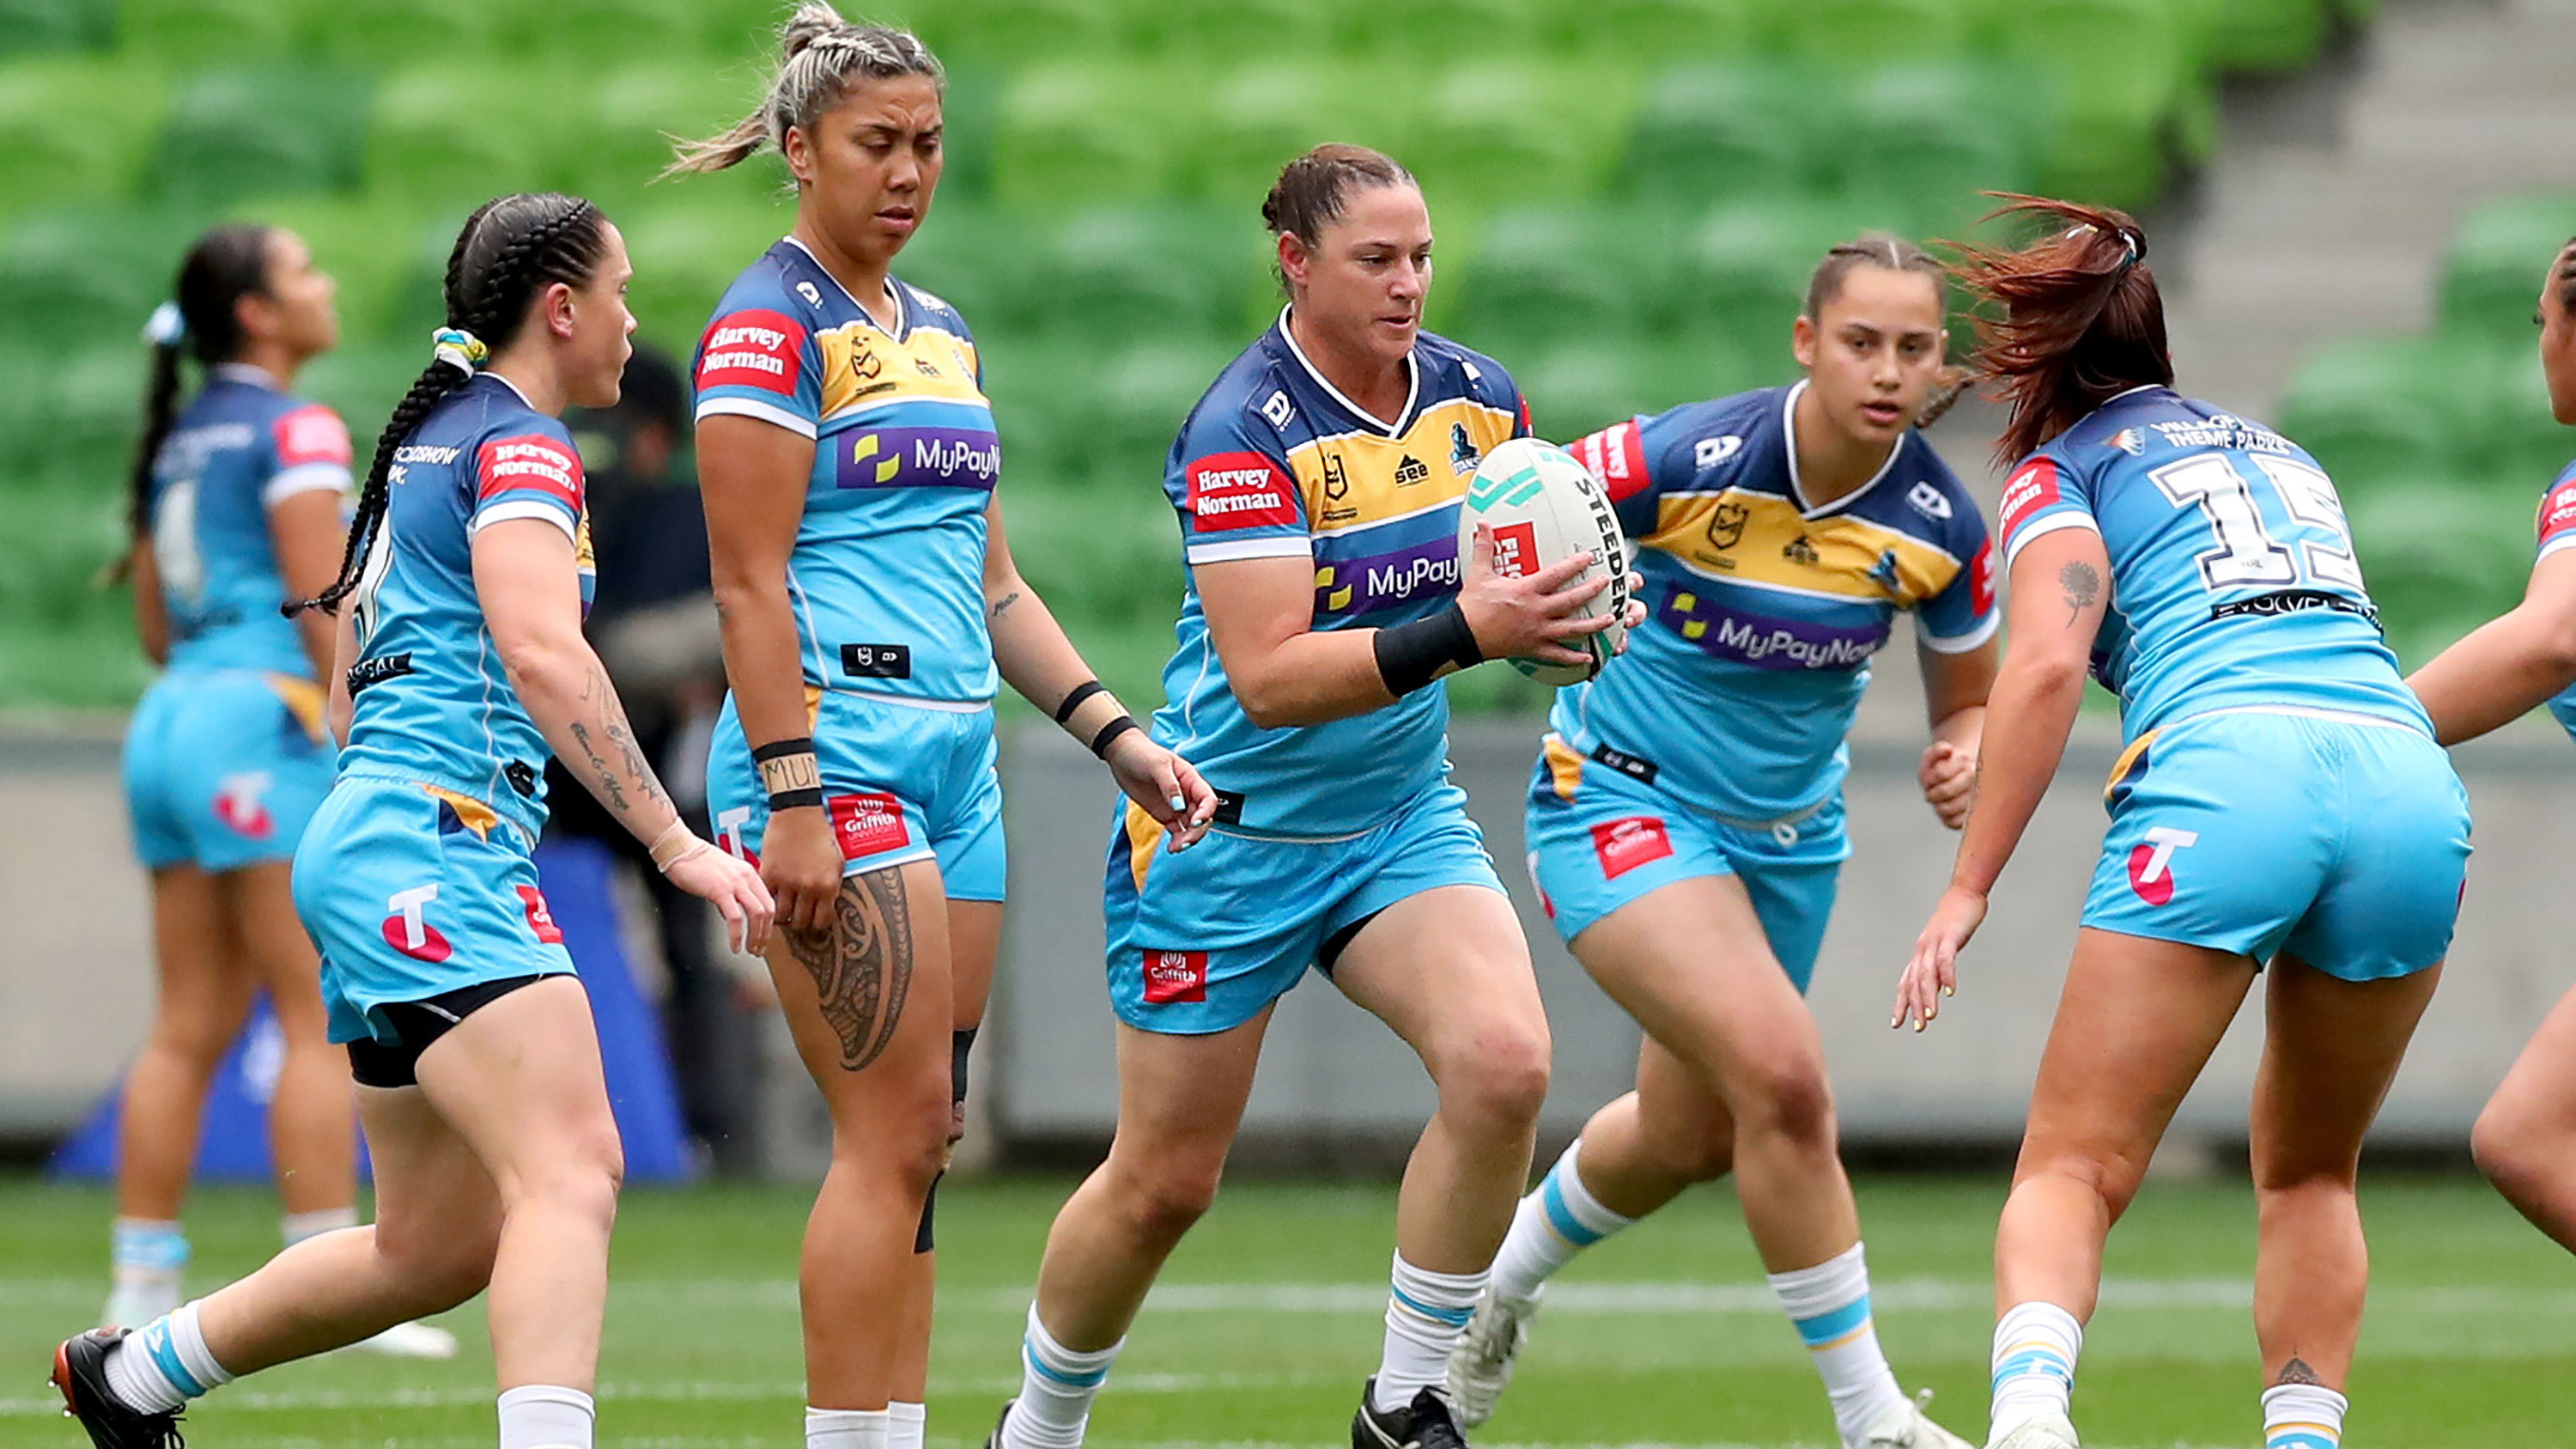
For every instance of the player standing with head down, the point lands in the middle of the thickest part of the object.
(1685, 823)
(2281, 809)
(1318, 485)
(2525, 1140)
(235, 510)
(460, 661)
(849, 460)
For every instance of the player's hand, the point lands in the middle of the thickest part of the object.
(802, 866)
(1167, 786)
(1635, 615)
(1528, 617)
(1934, 971)
(732, 887)
(1948, 775)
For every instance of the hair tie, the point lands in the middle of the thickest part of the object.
(2136, 242)
(459, 349)
(167, 327)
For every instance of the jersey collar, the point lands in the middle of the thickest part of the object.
(894, 289)
(513, 387)
(1789, 445)
(1360, 415)
(243, 372)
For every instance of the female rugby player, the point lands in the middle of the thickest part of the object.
(235, 509)
(1318, 484)
(1685, 824)
(2281, 807)
(2525, 1140)
(848, 458)
(460, 662)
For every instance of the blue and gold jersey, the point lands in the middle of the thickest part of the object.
(433, 704)
(1763, 611)
(888, 571)
(237, 450)
(2554, 528)
(1276, 463)
(2233, 580)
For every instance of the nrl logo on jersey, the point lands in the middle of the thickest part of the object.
(2130, 441)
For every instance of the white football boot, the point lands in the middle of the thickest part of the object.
(1908, 1427)
(2048, 1431)
(410, 1340)
(1480, 1368)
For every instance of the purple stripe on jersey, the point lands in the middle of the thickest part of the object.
(1384, 580)
(1765, 642)
(916, 458)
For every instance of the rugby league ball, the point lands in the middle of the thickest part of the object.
(1543, 505)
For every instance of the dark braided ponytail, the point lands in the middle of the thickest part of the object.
(512, 248)
(227, 264)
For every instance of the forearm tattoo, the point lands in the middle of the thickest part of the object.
(1003, 604)
(862, 966)
(600, 699)
(2083, 585)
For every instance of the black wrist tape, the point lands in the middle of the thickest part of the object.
(1410, 655)
(1073, 701)
(781, 748)
(1111, 731)
(796, 799)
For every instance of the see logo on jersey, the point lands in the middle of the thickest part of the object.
(1174, 976)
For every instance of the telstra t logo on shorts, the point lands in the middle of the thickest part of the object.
(2151, 864)
(238, 804)
(406, 932)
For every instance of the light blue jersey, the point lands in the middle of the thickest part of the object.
(2556, 530)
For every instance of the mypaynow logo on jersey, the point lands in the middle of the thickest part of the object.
(919, 458)
(1377, 581)
(1770, 643)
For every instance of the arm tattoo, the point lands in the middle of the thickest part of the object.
(1003, 604)
(862, 967)
(2083, 585)
(609, 780)
(630, 765)
(2296, 1371)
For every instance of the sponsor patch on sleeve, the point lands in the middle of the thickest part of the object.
(311, 434)
(532, 460)
(2557, 523)
(1240, 490)
(2027, 493)
(1616, 456)
(1981, 579)
(752, 348)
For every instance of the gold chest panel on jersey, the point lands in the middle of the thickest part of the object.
(1354, 480)
(1763, 540)
(863, 368)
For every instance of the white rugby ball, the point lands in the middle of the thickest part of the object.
(1542, 506)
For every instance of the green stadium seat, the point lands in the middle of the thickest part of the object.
(450, 136)
(2384, 416)
(347, 235)
(362, 381)
(58, 145)
(451, 36)
(1165, 272)
(2442, 559)
(621, 140)
(1225, 34)
(2267, 35)
(29, 27)
(1006, 32)
(1114, 416)
(970, 118)
(196, 32)
(686, 251)
(1861, 32)
(1741, 270)
(1080, 134)
(1576, 386)
(585, 30)
(1546, 274)
(1928, 138)
(1436, 31)
(1105, 556)
(1261, 117)
(73, 277)
(73, 414)
(1489, 128)
(2129, 74)
(979, 260)
(419, 305)
(1710, 132)
(1665, 30)
(263, 131)
(2498, 257)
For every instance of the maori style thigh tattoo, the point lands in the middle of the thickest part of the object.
(862, 966)
(2083, 584)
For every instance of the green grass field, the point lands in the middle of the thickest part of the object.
(1268, 1319)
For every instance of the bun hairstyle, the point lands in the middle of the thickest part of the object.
(202, 321)
(512, 248)
(820, 56)
(1313, 190)
(1889, 253)
(2080, 320)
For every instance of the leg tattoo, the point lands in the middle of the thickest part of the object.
(2296, 1371)
(862, 967)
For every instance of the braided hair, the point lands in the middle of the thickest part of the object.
(820, 56)
(512, 248)
(228, 263)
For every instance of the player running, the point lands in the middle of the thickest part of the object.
(1318, 484)
(235, 509)
(460, 662)
(1686, 824)
(2525, 1140)
(849, 460)
(2281, 804)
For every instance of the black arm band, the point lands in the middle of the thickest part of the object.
(797, 799)
(780, 749)
(1409, 656)
(1073, 701)
(1111, 731)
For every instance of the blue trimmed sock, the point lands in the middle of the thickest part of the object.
(1057, 1385)
(2303, 1416)
(148, 1258)
(2036, 1346)
(164, 1364)
(1829, 1303)
(1559, 1219)
(1425, 1314)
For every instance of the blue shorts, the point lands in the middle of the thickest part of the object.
(411, 891)
(903, 782)
(1599, 838)
(224, 767)
(1203, 941)
(2343, 843)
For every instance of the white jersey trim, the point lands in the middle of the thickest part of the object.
(1961, 643)
(2051, 524)
(304, 478)
(943, 706)
(1370, 422)
(2562, 541)
(752, 407)
(1798, 489)
(2298, 711)
(1232, 549)
(518, 508)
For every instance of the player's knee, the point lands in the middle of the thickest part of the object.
(580, 1179)
(442, 1264)
(2504, 1143)
(1787, 1092)
(1696, 1152)
(196, 1044)
(1500, 1077)
(2108, 1173)
(1165, 1200)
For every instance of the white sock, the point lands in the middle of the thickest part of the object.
(544, 1416)
(1425, 1313)
(1559, 1219)
(164, 1364)
(1057, 1385)
(149, 1259)
(906, 1424)
(2303, 1416)
(296, 1227)
(846, 1428)
(1830, 1305)
(2036, 1345)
